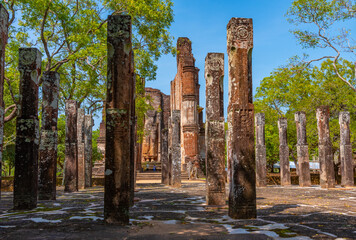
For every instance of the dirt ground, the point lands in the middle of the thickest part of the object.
(162, 212)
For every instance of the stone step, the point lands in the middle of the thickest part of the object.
(155, 175)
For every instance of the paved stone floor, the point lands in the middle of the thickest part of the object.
(163, 212)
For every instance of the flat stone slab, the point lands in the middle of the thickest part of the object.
(163, 212)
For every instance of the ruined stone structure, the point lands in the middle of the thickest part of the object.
(156, 121)
(327, 174)
(175, 149)
(241, 151)
(261, 161)
(49, 136)
(164, 140)
(185, 97)
(4, 19)
(284, 152)
(81, 149)
(71, 150)
(88, 149)
(302, 150)
(99, 166)
(215, 129)
(118, 152)
(347, 167)
(27, 131)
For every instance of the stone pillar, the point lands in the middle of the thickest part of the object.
(347, 168)
(165, 161)
(88, 149)
(284, 152)
(214, 130)
(175, 149)
(302, 150)
(81, 148)
(27, 131)
(4, 19)
(170, 157)
(71, 148)
(118, 120)
(327, 174)
(261, 162)
(242, 198)
(132, 134)
(49, 137)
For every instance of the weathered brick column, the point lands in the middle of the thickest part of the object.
(347, 168)
(81, 148)
(49, 137)
(71, 150)
(261, 162)
(118, 118)
(4, 19)
(242, 198)
(27, 131)
(327, 174)
(284, 152)
(214, 129)
(302, 149)
(88, 149)
(176, 151)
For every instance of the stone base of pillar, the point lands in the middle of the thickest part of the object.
(303, 164)
(347, 168)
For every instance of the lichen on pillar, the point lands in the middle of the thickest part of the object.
(284, 167)
(88, 149)
(241, 152)
(215, 130)
(4, 19)
(347, 167)
(120, 81)
(49, 137)
(302, 150)
(175, 150)
(81, 148)
(261, 161)
(27, 131)
(71, 149)
(327, 174)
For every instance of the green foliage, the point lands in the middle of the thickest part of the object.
(294, 88)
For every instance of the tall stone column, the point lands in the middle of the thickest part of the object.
(81, 148)
(176, 151)
(49, 137)
(242, 198)
(327, 174)
(284, 152)
(165, 161)
(347, 168)
(118, 120)
(170, 156)
(88, 149)
(215, 129)
(302, 149)
(71, 148)
(261, 162)
(4, 19)
(27, 131)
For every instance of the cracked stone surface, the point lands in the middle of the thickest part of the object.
(163, 212)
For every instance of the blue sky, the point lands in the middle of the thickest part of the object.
(204, 23)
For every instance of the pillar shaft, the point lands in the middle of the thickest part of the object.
(81, 148)
(347, 172)
(242, 198)
(118, 120)
(88, 149)
(214, 130)
(327, 174)
(27, 131)
(175, 149)
(261, 162)
(71, 148)
(284, 152)
(302, 150)
(49, 137)
(4, 19)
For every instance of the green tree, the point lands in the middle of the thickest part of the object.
(320, 25)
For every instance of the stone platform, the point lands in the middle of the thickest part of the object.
(162, 212)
